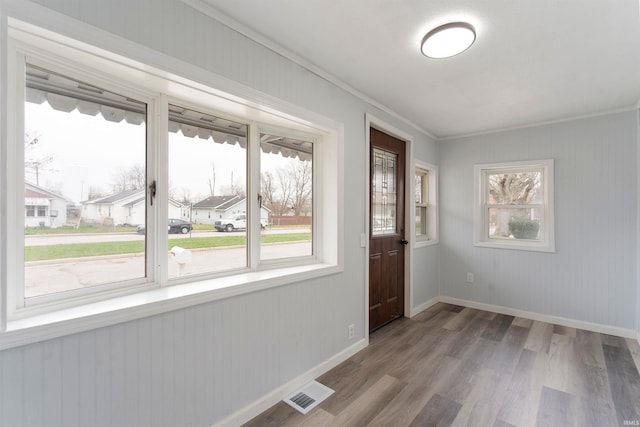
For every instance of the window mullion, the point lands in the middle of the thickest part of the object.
(253, 189)
(15, 221)
(157, 170)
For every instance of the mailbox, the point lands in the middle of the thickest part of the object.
(181, 256)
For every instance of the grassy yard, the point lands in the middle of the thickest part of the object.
(83, 229)
(86, 228)
(80, 250)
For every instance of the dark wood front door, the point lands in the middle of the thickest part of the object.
(386, 229)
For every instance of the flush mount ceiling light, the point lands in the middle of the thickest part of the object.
(448, 40)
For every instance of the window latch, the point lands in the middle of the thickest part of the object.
(260, 200)
(152, 191)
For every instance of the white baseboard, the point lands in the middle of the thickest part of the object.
(563, 321)
(422, 307)
(265, 402)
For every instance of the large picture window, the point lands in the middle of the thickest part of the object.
(128, 183)
(514, 205)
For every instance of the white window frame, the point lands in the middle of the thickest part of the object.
(287, 133)
(158, 294)
(546, 242)
(17, 305)
(431, 236)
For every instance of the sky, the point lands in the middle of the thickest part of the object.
(89, 151)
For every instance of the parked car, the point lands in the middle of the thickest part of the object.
(174, 226)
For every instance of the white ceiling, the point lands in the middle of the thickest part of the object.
(533, 61)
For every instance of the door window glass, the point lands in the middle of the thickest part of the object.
(384, 192)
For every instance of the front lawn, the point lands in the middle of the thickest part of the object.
(81, 250)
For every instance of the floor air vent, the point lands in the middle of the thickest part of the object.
(308, 397)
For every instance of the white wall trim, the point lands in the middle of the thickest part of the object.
(265, 402)
(556, 320)
(540, 123)
(424, 306)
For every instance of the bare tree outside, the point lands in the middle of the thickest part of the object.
(512, 189)
(35, 161)
(131, 178)
(285, 188)
(185, 195)
(270, 195)
(234, 188)
(289, 191)
(95, 192)
(212, 180)
(300, 177)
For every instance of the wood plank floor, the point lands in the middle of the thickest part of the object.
(455, 366)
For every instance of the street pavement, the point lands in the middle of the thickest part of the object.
(50, 277)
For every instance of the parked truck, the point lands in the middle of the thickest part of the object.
(239, 222)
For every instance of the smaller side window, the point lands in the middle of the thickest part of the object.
(422, 203)
(514, 205)
(425, 191)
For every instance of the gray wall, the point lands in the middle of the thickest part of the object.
(592, 275)
(196, 366)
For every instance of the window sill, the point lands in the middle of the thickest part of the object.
(517, 246)
(425, 243)
(130, 307)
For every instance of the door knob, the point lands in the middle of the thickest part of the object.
(404, 242)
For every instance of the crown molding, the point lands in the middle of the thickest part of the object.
(210, 11)
(541, 123)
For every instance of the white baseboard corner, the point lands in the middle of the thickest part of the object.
(422, 307)
(556, 320)
(265, 402)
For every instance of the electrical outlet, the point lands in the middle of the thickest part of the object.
(469, 277)
(352, 331)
